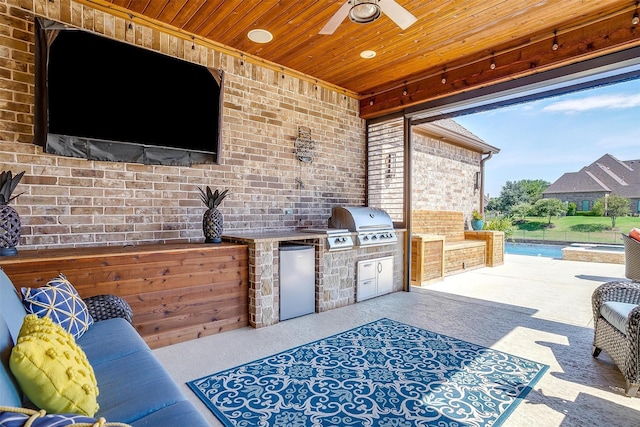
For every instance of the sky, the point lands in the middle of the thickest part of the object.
(544, 139)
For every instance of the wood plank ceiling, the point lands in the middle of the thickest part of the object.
(448, 49)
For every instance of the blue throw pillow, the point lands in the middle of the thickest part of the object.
(60, 301)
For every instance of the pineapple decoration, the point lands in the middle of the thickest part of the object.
(9, 219)
(212, 219)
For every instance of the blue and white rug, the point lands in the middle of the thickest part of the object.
(382, 374)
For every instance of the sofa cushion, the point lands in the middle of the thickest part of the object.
(133, 396)
(60, 301)
(617, 313)
(110, 339)
(181, 413)
(11, 308)
(52, 370)
(9, 394)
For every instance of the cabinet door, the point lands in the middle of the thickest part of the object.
(384, 271)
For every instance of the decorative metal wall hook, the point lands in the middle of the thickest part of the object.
(304, 145)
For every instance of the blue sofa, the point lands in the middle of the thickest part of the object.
(134, 387)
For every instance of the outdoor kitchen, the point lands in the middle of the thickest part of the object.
(349, 255)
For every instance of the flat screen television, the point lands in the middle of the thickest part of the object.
(109, 100)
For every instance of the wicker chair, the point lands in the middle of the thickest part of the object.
(631, 258)
(622, 345)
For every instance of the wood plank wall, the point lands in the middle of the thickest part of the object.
(177, 292)
(441, 223)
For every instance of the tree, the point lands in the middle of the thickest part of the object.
(523, 191)
(521, 210)
(534, 188)
(571, 209)
(549, 207)
(612, 206)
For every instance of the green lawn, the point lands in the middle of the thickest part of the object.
(575, 229)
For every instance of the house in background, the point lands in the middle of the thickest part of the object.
(604, 177)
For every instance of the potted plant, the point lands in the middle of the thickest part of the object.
(212, 222)
(477, 220)
(9, 218)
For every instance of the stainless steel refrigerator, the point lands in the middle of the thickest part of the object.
(297, 280)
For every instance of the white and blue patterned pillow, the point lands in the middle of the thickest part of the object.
(15, 419)
(60, 301)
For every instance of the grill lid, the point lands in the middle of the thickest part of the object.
(360, 218)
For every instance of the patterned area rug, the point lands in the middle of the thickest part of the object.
(382, 374)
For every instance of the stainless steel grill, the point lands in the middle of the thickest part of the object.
(372, 225)
(337, 239)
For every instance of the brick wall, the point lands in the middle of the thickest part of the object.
(75, 202)
(444, 176)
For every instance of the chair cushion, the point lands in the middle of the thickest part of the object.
(52, 370)
(617, 313)
(60, 301)
(635, 234)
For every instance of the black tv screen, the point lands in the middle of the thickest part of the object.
(109, 100)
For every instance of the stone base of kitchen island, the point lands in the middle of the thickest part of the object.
(336, 272)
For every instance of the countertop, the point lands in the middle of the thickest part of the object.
(277, 236)
(269, 236)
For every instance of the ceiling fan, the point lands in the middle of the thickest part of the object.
(365, 11)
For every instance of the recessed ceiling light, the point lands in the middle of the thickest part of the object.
(368, 54)
(260, 36)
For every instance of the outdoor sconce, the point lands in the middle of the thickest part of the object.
(476, 183)
(304, 145)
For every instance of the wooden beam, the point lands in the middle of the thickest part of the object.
(608, 35)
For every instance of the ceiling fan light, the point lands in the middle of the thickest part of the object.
(364, 11)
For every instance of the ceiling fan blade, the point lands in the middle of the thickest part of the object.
(336, 19)
(398, 14)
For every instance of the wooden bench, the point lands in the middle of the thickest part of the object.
(461, 249)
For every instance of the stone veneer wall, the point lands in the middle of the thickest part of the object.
(444, 176)
(68, 202)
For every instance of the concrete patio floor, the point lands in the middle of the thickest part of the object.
(534, 307)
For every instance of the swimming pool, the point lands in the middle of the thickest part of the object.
(533, 249)
(613, 254)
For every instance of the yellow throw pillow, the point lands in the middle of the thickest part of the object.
(52, 369)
